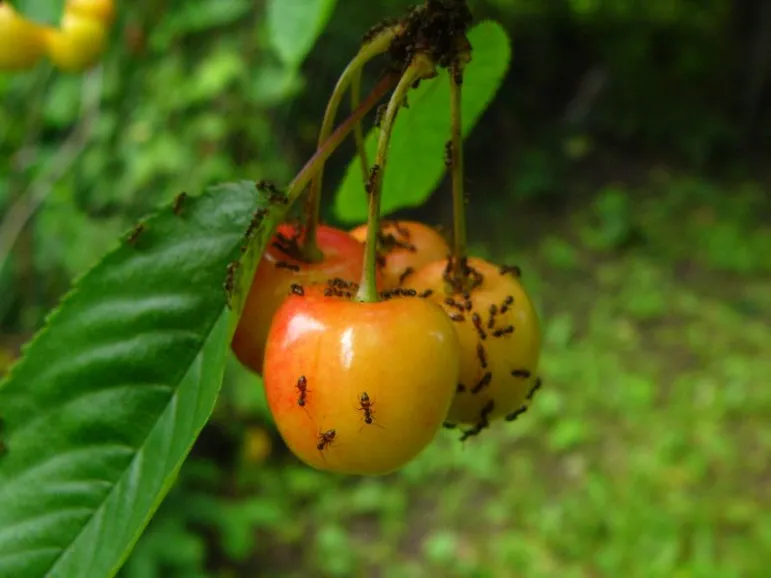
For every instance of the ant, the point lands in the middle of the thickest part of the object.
(325, 439)
(516, 413)
(178, 202)
(482, 355)
(302, 387)
(369, 186)
(230, 281)
(138, 230)
(509, 329)
(448, 154)
(477, 321)
(290, 266)
(493, 313)
(365, 405)
(406, 273)
(535, 388)
(521, 373)
(483, 383)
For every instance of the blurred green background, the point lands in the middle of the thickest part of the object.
(623, 165)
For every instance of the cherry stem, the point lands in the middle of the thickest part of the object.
(316, 162)
(458, 194)
(358, 133)
(421, 67)
(374, 47)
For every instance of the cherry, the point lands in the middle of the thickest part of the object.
(280, 267)
(100, 10)
(21, 41)
(359, 388)
(404, 247)
(499, 334)
(78, 43)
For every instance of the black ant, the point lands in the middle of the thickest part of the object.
(297, 289)
(534, 389)
(452, 303)
(521, 373)
(325, 439)
(516, 413)
(512, 270)
(493, 313)
(178, 202)
(406, 273)
(230, 281)
(290, 266)
(427, 293)
(457, 317)
(369, 186)
(506, 304)
(477, 321)
(302, 387)
(482, 355)
(483, 383)
(504, 331)
(448, 154)
(138, 230)
(366, 405)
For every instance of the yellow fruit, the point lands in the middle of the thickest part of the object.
(78, 44)
(101, 10)
(22, 42)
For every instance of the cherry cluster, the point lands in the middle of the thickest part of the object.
(370, 341)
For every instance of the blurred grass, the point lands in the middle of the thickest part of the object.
(645, 455)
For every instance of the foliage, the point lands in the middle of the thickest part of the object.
(654, 287)
(416, 155)
(133, 364)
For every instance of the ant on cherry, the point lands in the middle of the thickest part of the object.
(325, 439)
(366, 405)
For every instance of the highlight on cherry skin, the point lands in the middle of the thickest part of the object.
(500, 339)
(359, 388)
(403, 248)
(280, 268)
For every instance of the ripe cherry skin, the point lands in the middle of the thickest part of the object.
(402, 353)
(22, 42)
(511, 345)
(77, 44)
(405, 245)
(101, 10)
(343, 258)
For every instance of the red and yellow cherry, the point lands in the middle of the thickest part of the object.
(343, 257)
(22, 43)
(500, 339)
(77, 44)
(405, 247)
(359, 388)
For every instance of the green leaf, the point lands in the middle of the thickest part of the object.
(416, 154)
(294, 26)
(109, 398)
(41, 11)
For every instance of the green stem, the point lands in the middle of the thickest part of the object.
(316, 162)
(358, 133)
(370, 50)
(420, 68)
(458, 195)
